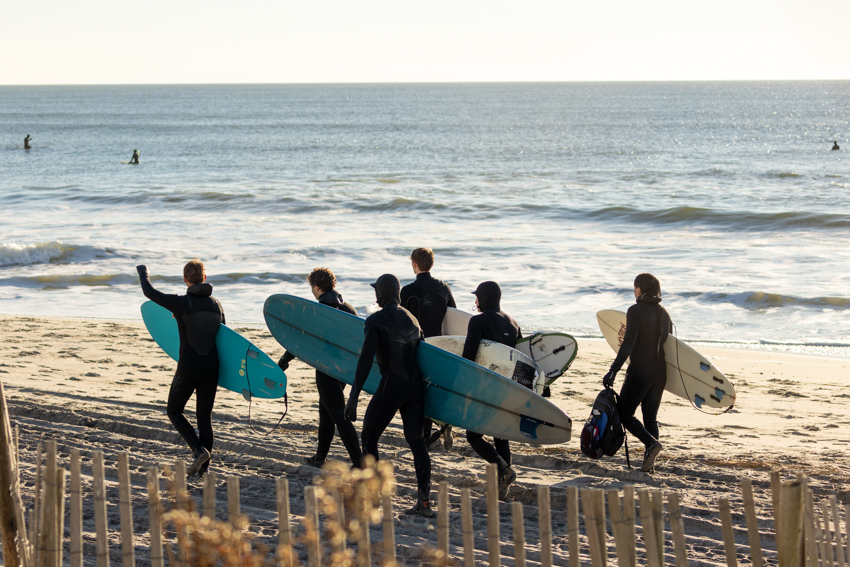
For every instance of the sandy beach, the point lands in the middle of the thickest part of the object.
(99, 384)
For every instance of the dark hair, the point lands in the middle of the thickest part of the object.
(648, 285)
(424, 258)
(194, 271)
(322, 278)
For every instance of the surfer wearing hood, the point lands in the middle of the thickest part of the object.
(647, 327)
(495, 325)
(392, 336)
(198, 315)
(427, 298)
(331, 391)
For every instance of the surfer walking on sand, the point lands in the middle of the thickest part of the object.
(392, 337)
(331, 397)
(199, 316)
(494, 325)
(647, 327)
(28, 147)
(427, 298)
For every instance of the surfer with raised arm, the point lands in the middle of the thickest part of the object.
(495, 325)
(199, 316)
(28, 147)
(427, 299)
(392, 337)
(647, 327)
(331, 397)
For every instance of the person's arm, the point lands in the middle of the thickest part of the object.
(171, 302)
(473, 337)
(285, 360)
(450, 300)
(632, 332)
(364, 366)
(220, 308)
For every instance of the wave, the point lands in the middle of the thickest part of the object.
(724, 219)
(61, 281)
(766, 300)
(54, 252)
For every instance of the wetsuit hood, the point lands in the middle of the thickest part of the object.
(489, 296)
(201, 289)
(387, 290)
(651, 299)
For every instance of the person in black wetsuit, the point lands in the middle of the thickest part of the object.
(199, 316)
(331, 398)
(495, 325)
(427, 299)
(647, 327)
(135, 158)
(835, 145)
(28, 147)
(392, 337)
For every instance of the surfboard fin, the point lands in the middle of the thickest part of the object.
(719, 393)
(270, 383)
(246, 394)
(704, 367)
(698, 401)
(528, 426)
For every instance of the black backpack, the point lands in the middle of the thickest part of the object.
(603, 432)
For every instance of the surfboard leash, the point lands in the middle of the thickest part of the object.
(682, 378)
(285, 411)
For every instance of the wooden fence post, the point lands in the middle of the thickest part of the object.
(60, 515)
(839, 544)
(592, 523)
(629, 521)
(493, 522)
(76, 520)
(233, 509)
(573, 525)
(621, 538)
(825, 556)
(48, 507)
(35, 526)
(8, 483)
(519, 534)
(443, 517)
(791, 548)
(466, 524)
(389, 528)
(209, 495)
(311, 519)
(181, 496)
(752, 523)
(101, 538)
(728, 532)
(775, 492)
(544, 519)
(284, 534)
(677, 527)
(648, 525)
(155, 518)
(657, 500)
(829, 542)
(125, 508)
(811, 539)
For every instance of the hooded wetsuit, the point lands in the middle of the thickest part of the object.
(392, 337)
(427, 299)
(647, 327)
(198, 315)
(494, 325)
(332, 399)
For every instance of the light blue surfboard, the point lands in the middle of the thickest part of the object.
(243, 368)
(458, 392)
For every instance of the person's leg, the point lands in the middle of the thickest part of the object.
(632, 393)
(412, 416)
(503, 448)
(326, 422)
(179, 394)
(332, 399)
(205, 400)
(485, 450)
(649, 408)
(379, 414)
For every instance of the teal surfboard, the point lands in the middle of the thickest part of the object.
(243, 368)
(458, 392)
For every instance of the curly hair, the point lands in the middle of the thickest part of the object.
(322, 278)
(194, 271)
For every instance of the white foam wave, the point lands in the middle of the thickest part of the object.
(26, 254)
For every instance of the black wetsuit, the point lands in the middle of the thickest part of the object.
(198, 315)
(332, 398)
(647, 327)
(392, 337)
(494, 325)
(427, 299)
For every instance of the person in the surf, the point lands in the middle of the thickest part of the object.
(199, 316)
(495, 325)
(427, 299)
(331, 397)
(27, 143)
(835, 145)
(135, 158)
(647, 327)
(392, 337)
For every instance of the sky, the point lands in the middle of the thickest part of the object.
(343, 41)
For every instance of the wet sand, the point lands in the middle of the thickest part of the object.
(96, 384)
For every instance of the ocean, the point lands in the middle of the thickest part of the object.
(561, 192)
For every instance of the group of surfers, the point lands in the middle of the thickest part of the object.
(408, 315)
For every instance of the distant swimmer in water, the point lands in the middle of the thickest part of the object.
(135, 158)
(28, 147)
(834, 145)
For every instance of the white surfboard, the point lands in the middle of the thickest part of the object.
(690, 375)
(501, 359)
(554, 352)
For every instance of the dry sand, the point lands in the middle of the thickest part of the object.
(96, 384)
